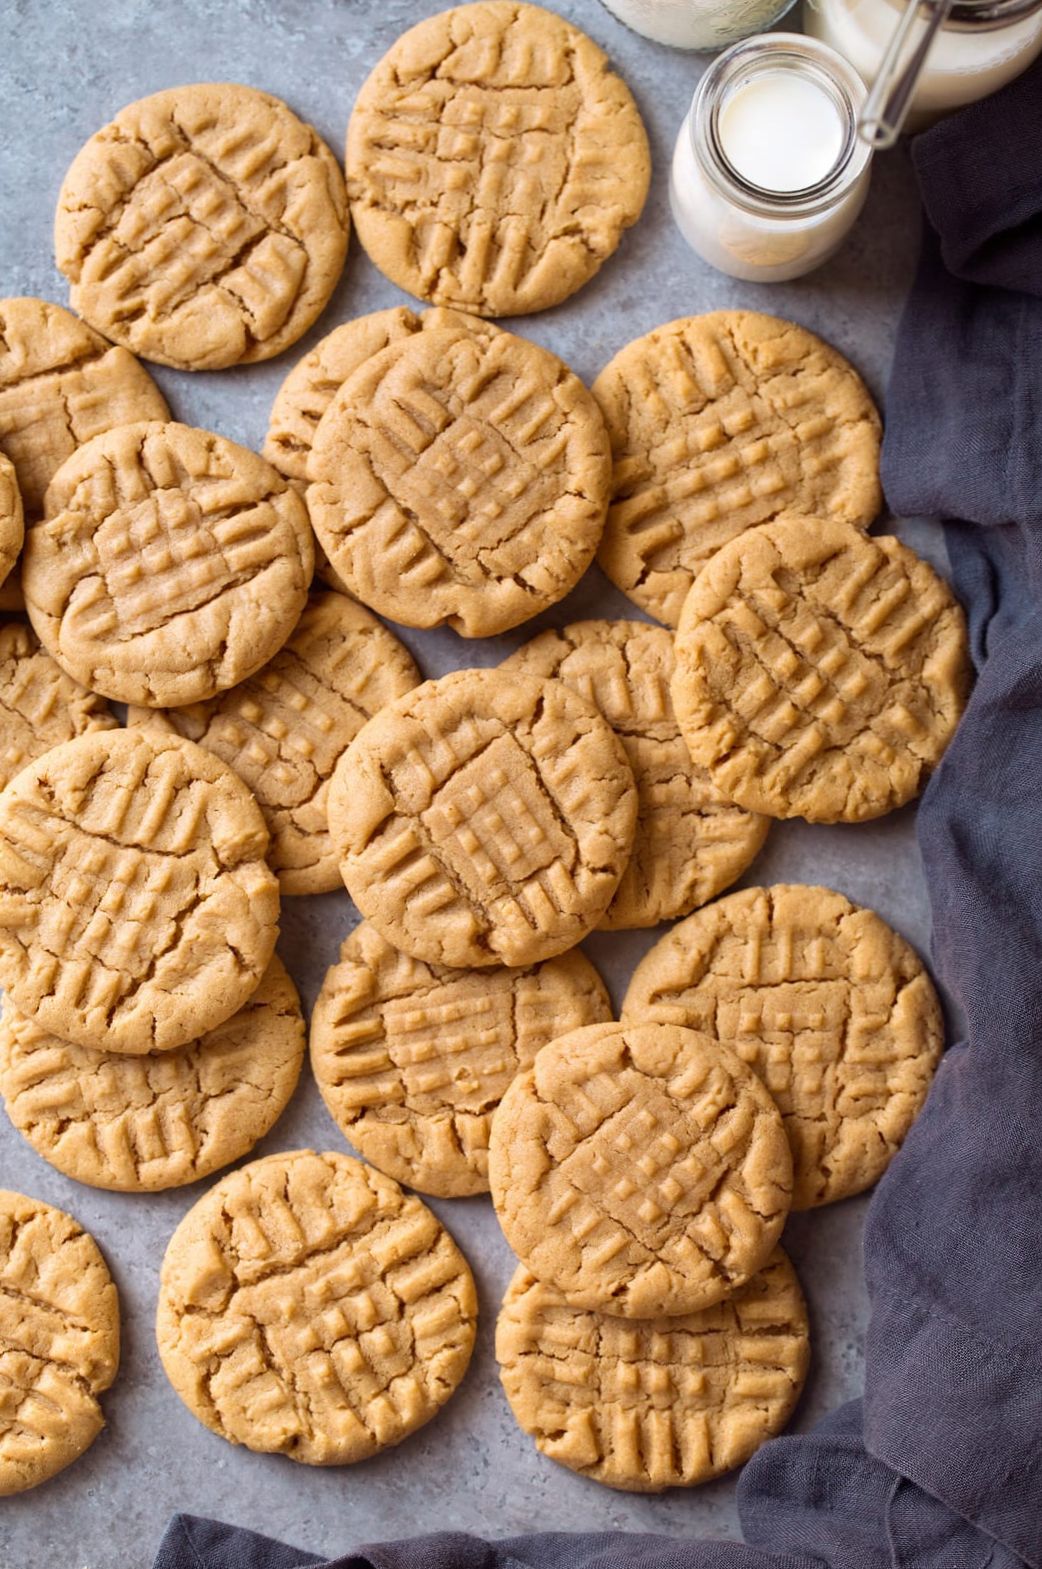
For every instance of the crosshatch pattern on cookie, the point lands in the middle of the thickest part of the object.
(484, 819)
(59, 1341)
(820, 672)
(640, 1169)
(663, 1402)
(284, 729)
(494, 159)
(690, 842)
(412, 1059)
(310, 1307)
(40, 706)
(12, 517)
(719, 423)
(829, 1006)
(460, 478)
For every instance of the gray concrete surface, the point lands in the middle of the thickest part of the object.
(65, 67)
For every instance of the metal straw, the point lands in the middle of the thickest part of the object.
(887, 104)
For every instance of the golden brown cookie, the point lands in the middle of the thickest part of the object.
(460, 478)
(820, 673)
(284, 729)
(60, 384)
(412, 1059)
(690, 842)
(641, 1169)
(484, 819)
(40, 706)
(137, 911)
(494, 159)
(171, 564)
(204, 226)
(12, 518)
(309, 1307)
(59, 1341)
(139, 1124)
(718, 423)
(830, 1007)
(648, 1404)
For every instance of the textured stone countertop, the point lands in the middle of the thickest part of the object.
(65, 67)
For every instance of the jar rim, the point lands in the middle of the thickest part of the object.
(986, 15)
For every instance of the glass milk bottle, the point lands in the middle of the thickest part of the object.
(981, 45)
(698, 24)
(769, 172)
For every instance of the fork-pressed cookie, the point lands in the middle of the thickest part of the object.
(137, 910)
(820, 672)
(40, 706)
(204, 226)
(640, 1169)
(647, 1404)
(412, 1059)
(460, 477)
(59, 1341)
(12, 517)
(484, 818)
(494, 159)
(718, 423)
(61, 383)
(691, 842)
(831, 1008)
(284, 729)
(308, 1307)
(171, 564)
(141, 1124)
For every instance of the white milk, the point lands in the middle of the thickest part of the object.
(697, 24)
(768, 171)
(964, 63)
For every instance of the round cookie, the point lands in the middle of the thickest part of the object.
(412, 1059)
(494, 159)
(640, 1169)
(830, 1007)
(137, 911)
(171, 564)
(204, 226)
(820, 672)
(690, 841)
(309, 1307)
(460, 478)
(59, 1341)
(40, 706)
(484, 819)
(12, 518)
(284, 729)
(663, 1402)
(61, 383)
(718, 423)
(141, 1124)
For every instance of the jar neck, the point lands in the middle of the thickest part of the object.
(983, 16)
(739, 66)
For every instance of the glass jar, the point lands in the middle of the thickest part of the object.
(698, 24)
(769, 172)
(981, 46)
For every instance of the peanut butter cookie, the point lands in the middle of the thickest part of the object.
(412, 1059)
(820, 673)
(460, 478)
(171, 564)
(140, 1124)
(308, 1307)
(204, 226)
(484, 819)
(640, 1169)
(654, 1403)
(718, 423)
(494, 159)
(40, 706)
(690, 842)
(59, 1341)
(137, 911)
(284, 729)
(61, 384)
(829, 1006)
(12, 518)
